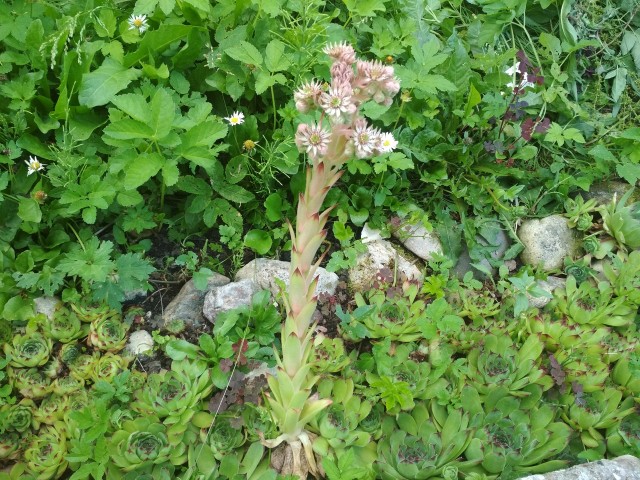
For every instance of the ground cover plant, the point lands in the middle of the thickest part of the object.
(144, 143)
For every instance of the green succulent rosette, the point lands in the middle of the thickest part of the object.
(65, 326)
(30, 382)
(28, 350)
(258, 422)
(626, 374)
(9, 444)
(395, 318)
(590, 371)
(142, 443)
(591, 413)
(513, 439)
(622, 221)
(108, 366)
(67, 385)
(108, 333)
(418, 447)
(587, 304)
(89, 313)
(624, 438)
(329, 355)
(498, 362)
(45, 456)
(51, 409)
(69, 353)
(372, 423)
(83, 366)
(174, 396)
(222, 434)
(19, 417)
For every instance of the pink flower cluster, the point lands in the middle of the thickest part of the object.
(353, 82)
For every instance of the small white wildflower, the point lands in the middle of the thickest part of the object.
(34, 165)
(511, 71)
(386, 142)
(237, 118)
(138, 22)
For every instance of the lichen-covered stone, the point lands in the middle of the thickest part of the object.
(547, 242)
(227, 297)
(418, 240)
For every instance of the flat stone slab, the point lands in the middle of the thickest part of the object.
(626, 467)
(418, 240)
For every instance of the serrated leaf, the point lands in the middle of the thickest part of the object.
(146, 166)
(129, 198)
(29, 210)
(134, 105)
(245, 53)
(234, 193)
(162, 114)
(275, 59)
(128, 129)
(204, 134)
(194, 185)
(629, 171)
(146, 7)
(92, 263)
(100, 86)
(601, 152)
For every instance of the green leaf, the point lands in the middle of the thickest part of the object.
(157, 41)
(146, 7)
(245, 53)
(162, 114)
(134, 105)
(29, 210)
(273, 207)
(555, 134)
(133, 271)
(365, 8)
(258, 240)
(203, 134)
(235, 193)
(602, 153)
(194, 185)
(145, 167)
(100, 86)
(17, 308)
(629, 171)
(129, 198)
(275, 59)
(400, 161)
(619, 84)
(92, 263)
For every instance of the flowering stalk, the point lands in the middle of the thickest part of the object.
(292, 404)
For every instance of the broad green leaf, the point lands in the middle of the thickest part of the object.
(100, 86)
(146, 7)
(170, 173)
(162, 114)
(265, 80)
(145, 167)
(29, 210)
(273, 207)
(601, 152)
(128, 129)
(89, 215)
(91, 262)
(258, 240)
(194, 185)
(245, 53)
(629, 171)
(365, 8)
(134, 105)
(17, 308)
(234, 193)
(129, 198)
(619, 84)
(203, 134)
(275, 58)
(157, 41)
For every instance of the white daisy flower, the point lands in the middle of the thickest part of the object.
(138, 22)
(34, 165)
(386, 142)
(511, 71)
(237, 118)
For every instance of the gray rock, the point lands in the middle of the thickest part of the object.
(379, 255)
(418, 240)
(187, 305)
(227, 297)
(603, 192)
(498, 247)
(139, 342)
(548, 285)
(626, 467)
(46, 305)
(547, 242)
(264, 272)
